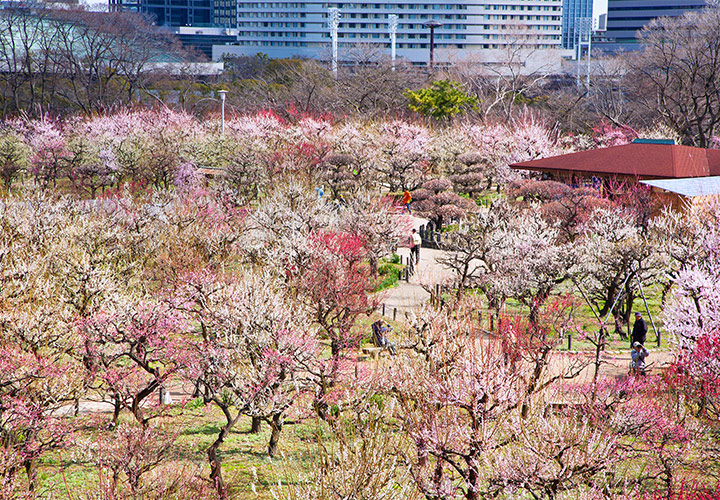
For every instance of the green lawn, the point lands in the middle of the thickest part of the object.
(245, 461)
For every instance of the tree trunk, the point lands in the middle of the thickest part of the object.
(619, 327)
(335, 347)
(599, 347)
(135, 407)
(276, 425)
(216, 470)
(213, 458)
(31, 473)
(256, 425)
(471, 493)
(117, 406)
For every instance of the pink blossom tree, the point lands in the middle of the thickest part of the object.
(336, 286)
(50, 153)
(132, 350)
(375, 222)
(401, 155)
(467, 403)
(253, 353)
(129, 454)
(36, 384)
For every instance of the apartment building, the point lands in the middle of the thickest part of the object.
(468, 28)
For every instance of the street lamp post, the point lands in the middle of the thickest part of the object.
(222, 109)
(432, 25)
(334, 23)
(393, 25)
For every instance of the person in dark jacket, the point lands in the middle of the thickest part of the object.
(639, 330)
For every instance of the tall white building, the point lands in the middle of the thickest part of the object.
(470, 28)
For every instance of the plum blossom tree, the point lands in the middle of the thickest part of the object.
(476, 249)
(364, 459)
(131, 453)
(467, 174)
(612, 252)
(340, 173)
(348, 143)
(691, 317)
(401, 156)
(246, 171)
(37, 382)
(553, 456)
(50, 153)
(508, 251)
(450, 402)
(685, 237)
(280, 226)
(253, 352)
(537, 262)
(132, 351)
(39, 372)
(304, 242)
(336, 286)
(571, 210)
(525, 138)
(465, 403)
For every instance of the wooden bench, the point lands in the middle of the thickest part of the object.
(373, 352)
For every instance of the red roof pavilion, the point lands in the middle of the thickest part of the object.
(638, 160)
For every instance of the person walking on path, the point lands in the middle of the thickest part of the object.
(639, 332)
(415, 243)
(406, 199)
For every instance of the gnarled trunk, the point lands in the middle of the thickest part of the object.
(213, 458)
(276, 425)
(256, 425)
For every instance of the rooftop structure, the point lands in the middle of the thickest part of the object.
(637, 160)
(693, 187)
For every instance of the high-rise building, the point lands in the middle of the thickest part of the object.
(626, 17)
(173, 13)
(284, 29)
(572, 10)
(197, 23)
(225, 13)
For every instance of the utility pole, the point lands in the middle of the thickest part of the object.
(432, 25)
(334, 23)
(393, 25)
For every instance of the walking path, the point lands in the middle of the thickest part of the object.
(411, 295)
